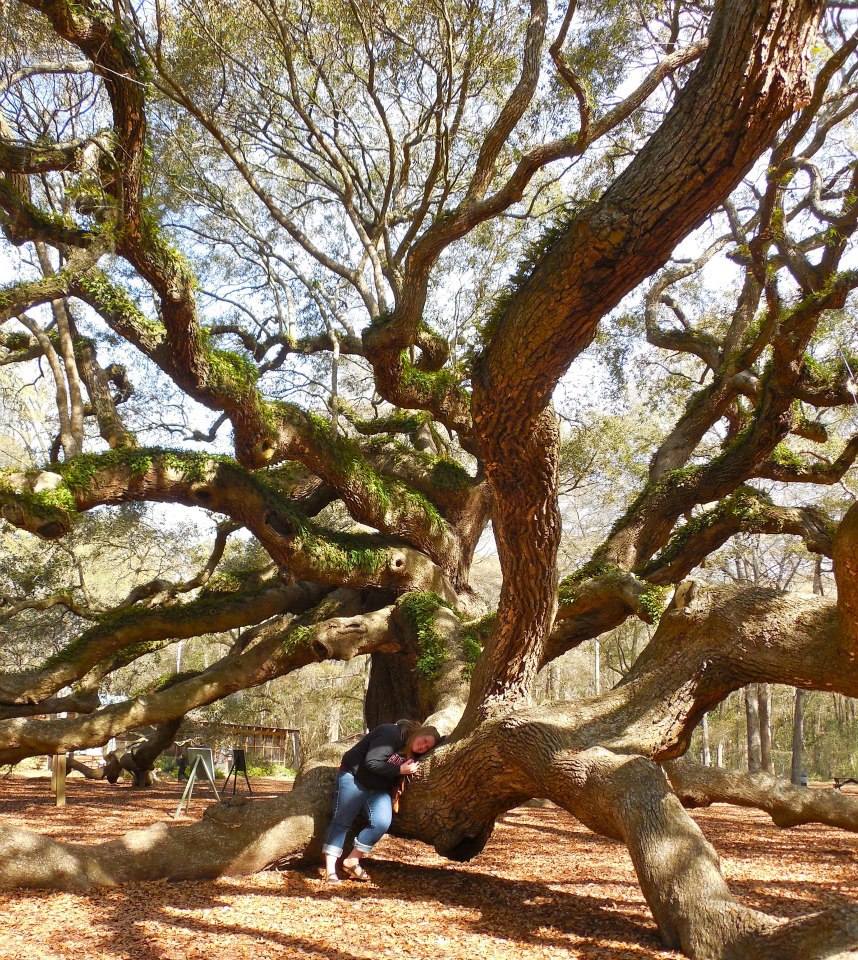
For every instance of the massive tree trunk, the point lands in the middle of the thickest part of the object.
(621, 796)
(598, 757)
(392, 691)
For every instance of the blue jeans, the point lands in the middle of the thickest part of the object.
(349, 798)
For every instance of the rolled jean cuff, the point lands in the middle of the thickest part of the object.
(330, 851)
(362, 847)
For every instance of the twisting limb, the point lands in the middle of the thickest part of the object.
(18, 297)
(628, 798)
(547, 752)
(139, 760)
(83, 702)
(603, 252)
(44, 503)
(10, 607)
(20, 157)
(745, 511)
(796, 471)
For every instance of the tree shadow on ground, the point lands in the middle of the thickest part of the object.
(519, 819)
(523, 913)
(544, 886)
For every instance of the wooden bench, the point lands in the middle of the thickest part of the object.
(842, 781)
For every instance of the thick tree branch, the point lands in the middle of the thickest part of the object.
(18, 156)
(44, 503)
(276, 651)
(141, 627)
(791, 468)
(18, 297)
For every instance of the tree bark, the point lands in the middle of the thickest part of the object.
(707, 643)
(277, 651)
(621, 796)
(392, 692)
(683, 171)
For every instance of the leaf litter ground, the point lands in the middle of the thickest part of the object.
(545, 887)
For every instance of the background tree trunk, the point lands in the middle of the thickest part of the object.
(597, 668)
(392, 692)
(707, 754)
(797, 736)
(764, 701)
(752, 722)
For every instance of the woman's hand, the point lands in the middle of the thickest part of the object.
(409, 767)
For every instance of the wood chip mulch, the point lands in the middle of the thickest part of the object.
(545, 887)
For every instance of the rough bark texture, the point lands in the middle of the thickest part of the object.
(683, 172)
(624, 797)
(392, 691)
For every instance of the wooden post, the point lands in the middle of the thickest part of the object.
(58, 778)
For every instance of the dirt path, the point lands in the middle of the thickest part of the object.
(545, 887)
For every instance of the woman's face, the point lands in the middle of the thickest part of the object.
(422, 743)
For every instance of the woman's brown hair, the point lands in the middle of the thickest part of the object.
(420, 732)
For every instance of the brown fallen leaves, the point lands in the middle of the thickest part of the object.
(545, 887)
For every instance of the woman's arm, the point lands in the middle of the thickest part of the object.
(380, 758)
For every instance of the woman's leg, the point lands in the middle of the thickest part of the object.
(349, 798)
(379, 811)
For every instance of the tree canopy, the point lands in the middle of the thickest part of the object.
(320, 271)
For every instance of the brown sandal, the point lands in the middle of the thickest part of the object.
(331, 880)
(356, 872)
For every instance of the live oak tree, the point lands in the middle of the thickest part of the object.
(248, 198)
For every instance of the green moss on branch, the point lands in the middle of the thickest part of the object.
(474, 638)
(418, 611)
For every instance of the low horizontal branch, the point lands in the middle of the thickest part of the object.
(138, 625)
(786, 804)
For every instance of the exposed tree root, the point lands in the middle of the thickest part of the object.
(232, 838)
